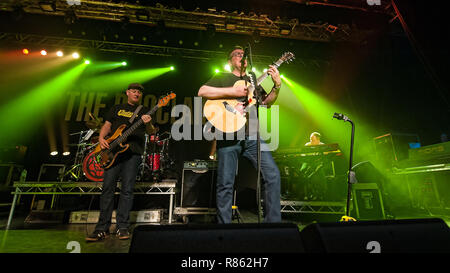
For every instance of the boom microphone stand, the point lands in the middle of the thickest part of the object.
(351, 174)
(258, 140)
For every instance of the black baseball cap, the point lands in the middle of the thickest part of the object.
(137, 86)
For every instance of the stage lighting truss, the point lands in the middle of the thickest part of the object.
(80, 44)
(223, 21)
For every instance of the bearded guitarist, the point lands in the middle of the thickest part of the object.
(222, 87)
(125, 164)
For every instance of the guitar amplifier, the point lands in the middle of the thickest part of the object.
(198, 184)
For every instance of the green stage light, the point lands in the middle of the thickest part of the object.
(75, 55)
(216, 70)
(172, 68)
(87, 62)
(227, 68)
(321, 111)
(114, 81)
(34, 103)
(124, 63)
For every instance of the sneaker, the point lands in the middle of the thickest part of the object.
(123, 234)
(97, 235)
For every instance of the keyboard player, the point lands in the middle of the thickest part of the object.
(312, 171)
(314, 139)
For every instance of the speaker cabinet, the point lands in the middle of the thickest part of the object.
(226, 238)
(368, 202)
(198, 188)
(388, 236)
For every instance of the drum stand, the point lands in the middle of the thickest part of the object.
(76, 170)
(143, 167)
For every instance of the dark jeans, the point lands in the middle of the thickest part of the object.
(127, 167)
(226, 171)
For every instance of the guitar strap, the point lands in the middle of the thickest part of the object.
(135, 113)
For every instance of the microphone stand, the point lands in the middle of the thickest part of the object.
(351, 179)
(257, 94)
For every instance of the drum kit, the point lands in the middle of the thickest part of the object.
(155, 159)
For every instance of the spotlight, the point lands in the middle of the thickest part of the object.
(217, 70)
(285, 29)
(332, 28)
(66, 153)
(48, 6)
(282, 76)
(124, 63)
(253, 69)
(227, 68)
(59, 53)
(172, 68)
(142, 15)
(43, 52)
(25, 51)
(230, 25)
(265, 70)
(87, 62)
(54, 153)
(75, 55)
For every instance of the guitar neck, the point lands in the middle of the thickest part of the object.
(130, 130)
(261, 78)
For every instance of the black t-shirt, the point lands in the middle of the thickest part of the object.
(121, 114)
(227, 80)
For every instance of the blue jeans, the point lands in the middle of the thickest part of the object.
(226, 171)
(126, 166)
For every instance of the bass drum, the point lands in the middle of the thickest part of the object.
(91, 169)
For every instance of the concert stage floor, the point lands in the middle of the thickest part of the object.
(54, 238)
(57, 238)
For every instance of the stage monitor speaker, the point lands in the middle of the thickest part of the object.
(225, 238)
(388, 236)
(198, 185)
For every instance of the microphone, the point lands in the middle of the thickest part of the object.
(244, 57)
(243, 60)
(340, 116)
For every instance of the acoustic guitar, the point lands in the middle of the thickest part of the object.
(222, 113)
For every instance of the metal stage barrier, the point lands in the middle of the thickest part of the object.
(165, 187)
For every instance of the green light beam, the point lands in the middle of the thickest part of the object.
(111, 82)
(20, 117)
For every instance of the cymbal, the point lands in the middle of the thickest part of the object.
(92, 124)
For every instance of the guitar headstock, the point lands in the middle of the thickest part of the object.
(287, 57)
(164, 101)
